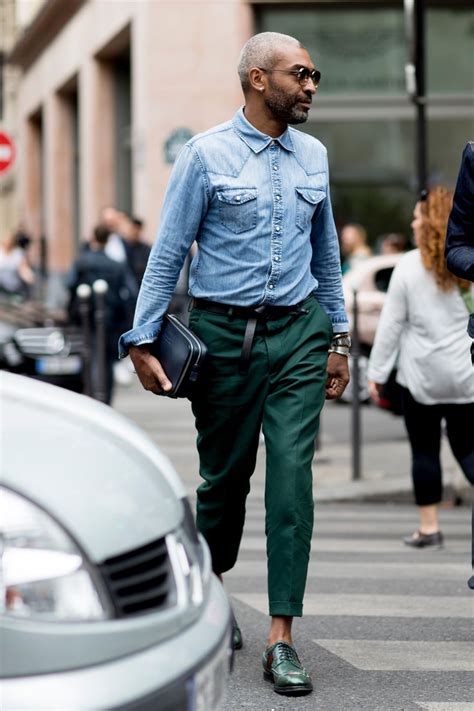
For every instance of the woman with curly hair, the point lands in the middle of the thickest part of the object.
(422, 329)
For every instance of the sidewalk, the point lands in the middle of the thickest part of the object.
(385, 454)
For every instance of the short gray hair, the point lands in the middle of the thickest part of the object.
(261, 51)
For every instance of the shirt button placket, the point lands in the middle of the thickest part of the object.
(275, 244)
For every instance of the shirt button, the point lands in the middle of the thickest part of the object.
(275, 167)
(277, 197)
(237, 197)
(277, 228)
(270, 286)
(277, 259)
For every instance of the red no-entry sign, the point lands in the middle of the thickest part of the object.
(7, 152)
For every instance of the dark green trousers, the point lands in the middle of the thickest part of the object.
(282, 393)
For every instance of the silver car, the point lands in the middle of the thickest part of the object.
(107, 600)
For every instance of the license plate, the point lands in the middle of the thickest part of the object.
(210, 683)
(54, 365)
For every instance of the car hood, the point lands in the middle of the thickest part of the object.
(88, 466)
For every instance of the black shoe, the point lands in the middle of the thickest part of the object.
(424, 540)
(237, 642)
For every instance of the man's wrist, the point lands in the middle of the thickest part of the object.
(340, 344)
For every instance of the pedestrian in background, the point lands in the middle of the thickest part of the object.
(92, 264)
(112, 218)
(423, 325)
(268, 303)
(460, 232)
(16, 275)
(121, 230)
(354, 245)
(136, 248)
(394, 243)
(460, 250)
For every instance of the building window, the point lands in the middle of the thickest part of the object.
(123, 131)
(362, 112)
(357, 51)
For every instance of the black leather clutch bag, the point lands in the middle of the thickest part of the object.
(181, 354)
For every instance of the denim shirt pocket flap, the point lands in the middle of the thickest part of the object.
(236, 196)
(311, 195)
(238, 208)
(306, 203)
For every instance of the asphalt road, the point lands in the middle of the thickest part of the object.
(386, 628)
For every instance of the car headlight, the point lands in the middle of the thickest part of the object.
(43, 574)
(191, 566)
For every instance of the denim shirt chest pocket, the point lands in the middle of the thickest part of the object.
(307, 200)
(238, 208)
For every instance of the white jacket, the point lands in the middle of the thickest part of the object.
(425, 329)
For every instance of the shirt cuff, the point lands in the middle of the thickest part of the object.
(148, 333)
(340, 326)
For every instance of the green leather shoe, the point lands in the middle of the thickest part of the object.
(237, 642)
(282, 666)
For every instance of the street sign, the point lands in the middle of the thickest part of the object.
(7, 153)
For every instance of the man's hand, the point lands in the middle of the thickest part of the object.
(149, 370)
(338, 375)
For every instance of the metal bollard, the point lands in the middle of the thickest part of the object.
(100, 288)
(355, 377)
(83, 293)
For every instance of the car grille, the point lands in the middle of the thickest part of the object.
(140, 580)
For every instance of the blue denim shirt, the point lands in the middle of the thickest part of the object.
(260, 211)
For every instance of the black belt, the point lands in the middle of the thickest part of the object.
(253, 314)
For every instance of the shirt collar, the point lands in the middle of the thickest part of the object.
(255, 139)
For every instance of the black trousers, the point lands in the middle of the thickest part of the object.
(423, 424)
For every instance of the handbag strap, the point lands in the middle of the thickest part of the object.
(467, 298)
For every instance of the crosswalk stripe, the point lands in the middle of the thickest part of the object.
(327, 512)
(355, 545)
(360, 605)
(446, 706)
(255, 525)
(362, 571)
(379, 655)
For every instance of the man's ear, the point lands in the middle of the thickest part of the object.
(256, 79)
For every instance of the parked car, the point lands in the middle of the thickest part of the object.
(40, 343)
(107, 600)
(370, 280)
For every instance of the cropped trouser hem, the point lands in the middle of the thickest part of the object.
(285, 609)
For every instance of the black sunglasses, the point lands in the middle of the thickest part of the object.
(303, 74)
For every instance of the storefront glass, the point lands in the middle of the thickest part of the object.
(362, 112)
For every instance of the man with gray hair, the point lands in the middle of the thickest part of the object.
(266, 281)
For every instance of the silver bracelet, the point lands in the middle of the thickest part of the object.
(340, 350)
